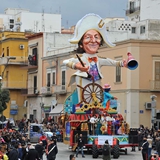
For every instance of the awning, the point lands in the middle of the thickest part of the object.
(78, 118)
(57, 110)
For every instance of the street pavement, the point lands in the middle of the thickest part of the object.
(64, 152)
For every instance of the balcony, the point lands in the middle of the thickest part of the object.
(46, 91)
(154, 85)
(60, 89)
(18, 60)
(14, 84)
(133, 10)
(32, 91)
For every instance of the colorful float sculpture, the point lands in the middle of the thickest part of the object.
(91, 108)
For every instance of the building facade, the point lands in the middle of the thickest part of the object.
(14, 51)
(22, 20)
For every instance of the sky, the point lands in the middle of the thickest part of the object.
(70, 10)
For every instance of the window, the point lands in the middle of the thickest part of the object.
(63, 79)
(11, 20)
(142, 29)
(7, 51)
(36, 129)
(34, 51)
(35, 84)
(11, 26)
(53, 77)
(118, 71)
(48, 79)
(133, 29)
(157, 71)
(132, 8)
(118, 74)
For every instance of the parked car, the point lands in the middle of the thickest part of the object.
(36, 131)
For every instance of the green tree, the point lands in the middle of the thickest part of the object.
(4, 98)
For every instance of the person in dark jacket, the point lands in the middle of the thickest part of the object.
(52, 150)
(54, 138)
(158, 146)
(80, 144)
(32, 154)
(40, 149)
(108, 155)
(144, 149)
(140, 140)
(13, 154)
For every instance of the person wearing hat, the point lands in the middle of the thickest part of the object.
(106, 151)
(144, 148)
(25, 150)
(52, 149)
(90, 33)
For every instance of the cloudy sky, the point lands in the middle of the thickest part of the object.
(71, 10)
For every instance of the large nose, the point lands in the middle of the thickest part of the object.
(93, 39)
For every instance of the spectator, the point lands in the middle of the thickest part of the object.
(106, 151)
(43, 138)
(3, 150)
(20, 152)
(13, 154)
(52, 150)
(80, 144)
(39, 148)
(54, 138)
(32, 154)
(144, 149)
(149, 140)
(158, 146)
(140, 140)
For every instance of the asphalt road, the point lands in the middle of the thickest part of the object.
(64, 152)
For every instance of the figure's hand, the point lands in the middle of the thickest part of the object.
(81, 68)
(115, 98)
(124, 63)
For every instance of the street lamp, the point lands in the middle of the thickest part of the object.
(153, 110)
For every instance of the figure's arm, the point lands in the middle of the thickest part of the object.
(111, 62)
(75, 64)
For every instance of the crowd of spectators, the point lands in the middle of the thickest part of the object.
(15, 143)
(149, 142)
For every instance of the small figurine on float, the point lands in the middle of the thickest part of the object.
(98, 125)
(107, 96)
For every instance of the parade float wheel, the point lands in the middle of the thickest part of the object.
(95, 152)
(115, 152)
(90, 90)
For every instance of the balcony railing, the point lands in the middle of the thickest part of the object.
(19, 60)
(14, 84)
(154, 85)
(130, 11)
(46, 90)
(61, 89)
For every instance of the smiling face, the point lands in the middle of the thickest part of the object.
(91, 41)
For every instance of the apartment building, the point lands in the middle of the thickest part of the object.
(22, 20)
(14, 55)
